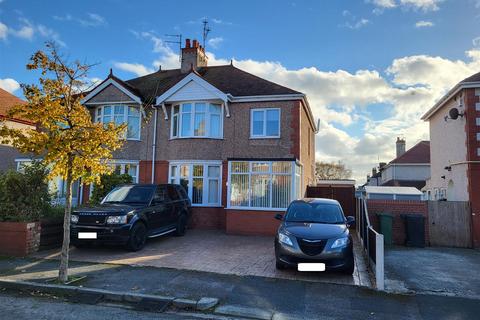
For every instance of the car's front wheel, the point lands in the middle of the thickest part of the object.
(138, 237)
(349, 268)
(279, 265)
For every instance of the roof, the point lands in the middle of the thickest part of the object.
(469, 82)
(393, 190)
(335, 182)
(8, 101)
(419, 153)
(227, 78)
(419, 184)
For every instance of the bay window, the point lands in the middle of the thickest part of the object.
(263, 184)
(120, 114)
(265, 123)
(197, 120)
(201, 180)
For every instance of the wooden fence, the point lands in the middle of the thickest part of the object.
(450, 224)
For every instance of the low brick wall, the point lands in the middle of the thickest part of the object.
(397, 208)
(207, 218)
(251, 222)
(19, 238)
(51, 235)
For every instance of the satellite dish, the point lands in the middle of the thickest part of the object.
(453, 113)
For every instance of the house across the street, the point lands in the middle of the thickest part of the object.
(243, 147)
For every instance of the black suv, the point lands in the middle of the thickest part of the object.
(130, 214)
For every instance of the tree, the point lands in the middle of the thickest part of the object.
(71, 145)
(331, 170)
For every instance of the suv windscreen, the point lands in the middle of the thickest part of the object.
(130, 195)
(301, 211)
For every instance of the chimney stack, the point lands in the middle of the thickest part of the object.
(400, 146)
(193, 56)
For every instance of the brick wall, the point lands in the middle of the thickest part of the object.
(145, 171)
(397, 208)
(19, 238)
(207, 218)
(250, 222)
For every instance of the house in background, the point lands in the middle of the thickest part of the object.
(455, 147)
(8, 154)
(243, 147)
(410, 168)
(392, 193)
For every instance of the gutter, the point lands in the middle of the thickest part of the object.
(154, 144)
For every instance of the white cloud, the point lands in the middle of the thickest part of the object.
(3, 31)
(91, 19)
(136, 68)
(424, 5)
(424, 24)
(9, 84)
(215, 42)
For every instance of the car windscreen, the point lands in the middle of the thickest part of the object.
(314, 213)
(130, 195)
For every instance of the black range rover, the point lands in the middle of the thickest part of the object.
(130, 214)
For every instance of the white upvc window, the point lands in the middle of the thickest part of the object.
(126, 167)
(121, 114)
(202, 181)
(263, 185)
(197, 120)
(265, 123)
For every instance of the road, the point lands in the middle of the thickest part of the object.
(38, 308)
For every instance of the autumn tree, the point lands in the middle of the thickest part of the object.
(67, 140)
(331, 170)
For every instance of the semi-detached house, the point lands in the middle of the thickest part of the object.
(243, 147)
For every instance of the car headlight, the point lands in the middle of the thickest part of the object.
(339, 243)
(74, 218)
(116, 219)
(283, 238)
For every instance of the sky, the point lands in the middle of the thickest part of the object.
(370, 68)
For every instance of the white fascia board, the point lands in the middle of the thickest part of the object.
(277, 97)
(102, 86)
(447, 97)
(191, 77)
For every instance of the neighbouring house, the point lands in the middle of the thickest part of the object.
(455, 148)
(8, 154)
(243, 147)
(410, 168)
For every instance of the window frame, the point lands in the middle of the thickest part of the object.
(294, 175)
(98, 117)
(178, 117)
(174, 177)
(123, 164)
(264, 134)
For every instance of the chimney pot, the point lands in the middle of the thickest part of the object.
(195, 43)
(187, 43)
(400, 146)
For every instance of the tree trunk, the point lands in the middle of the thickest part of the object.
(63, 271)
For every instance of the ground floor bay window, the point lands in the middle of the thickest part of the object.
(202, 180)
(263, 185)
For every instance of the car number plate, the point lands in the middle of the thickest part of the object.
(87, 235)
(311, 267)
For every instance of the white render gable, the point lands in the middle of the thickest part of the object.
(192, 91)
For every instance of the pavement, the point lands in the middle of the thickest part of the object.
(242, 296)
(214, 251)
(431, 270)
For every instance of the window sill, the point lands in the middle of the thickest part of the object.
(133, 139)
(206, 206)
(264, 137)
(256, 209)
(209, 138)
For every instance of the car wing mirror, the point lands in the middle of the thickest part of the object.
(279, 216)
(350, 221)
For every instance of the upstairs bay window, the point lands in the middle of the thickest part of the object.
(265, 123)
(121, 114)
(266, 185)
(197, 120)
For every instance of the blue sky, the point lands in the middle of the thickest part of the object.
(370, 68)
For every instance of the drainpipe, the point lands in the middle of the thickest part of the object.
(154, 145)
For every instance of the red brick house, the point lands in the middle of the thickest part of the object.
(242, 146)
(455, 147)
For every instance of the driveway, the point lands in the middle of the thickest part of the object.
(213, 251)
(446, 271)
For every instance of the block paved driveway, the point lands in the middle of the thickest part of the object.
(213, 251)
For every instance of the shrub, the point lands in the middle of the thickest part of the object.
(24, 196)
(107, 183)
